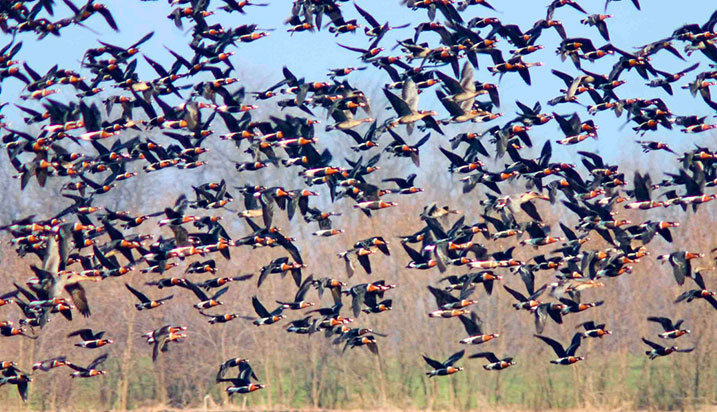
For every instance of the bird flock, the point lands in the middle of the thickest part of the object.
(108, 125)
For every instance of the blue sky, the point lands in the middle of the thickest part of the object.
(311, 54)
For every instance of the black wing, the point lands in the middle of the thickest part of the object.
(473, 326)
(95, 363)
(653, 344)
(454, 358)
(557, 347)
(301, 293)
(259, 308)
(574, 344)
(194, 288)
(490, 356)
(666, 323)
(141, 296)
(442, 297)
(433, 363)
(85, 334)
(519, 296)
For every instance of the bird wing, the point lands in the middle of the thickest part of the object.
(652, 344)
(349, 264)
(220, 292)
(181, 236)
(589, 325)
(455, 159)
(77, 368)
(141, 296)
(453, 85)
(246, 372)
(369, 18)
(399, 105)
(697, 277)
(85, 334)
(263, 274)
(467, 77)
(490, 356)
(365, 262)
(267, 209)
(194, 288)
(222, 370)
(409, 93)
(665, 322)
(95, 363)
(22, 388)
(530, 209)
(291, 248)
(413, 254)
(454, 358)
(79, 298)
(259, 308)
(159, 343)
(296, 275)
(51, 261)
(358, 298)
(305, 285)
(432, 362)
(557, 347)
(472, 325)
(568, 232)
(574, 344)
(373, 347)
(519, 296)
(442, 297)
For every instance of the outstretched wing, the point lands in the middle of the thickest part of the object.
(259, 308)
(665, 322)
(442, 297)
(519, 296)
(95, 363)
(454, 358)
(490, 356)
(574, 344)
(77, 368)
(194, 288)
(141, 296)
(220, 292)
(79, 298)
(472, 325)
(557, 347)
(399, 105)
(85, 334)
(652, 344)
(305, 285)
(432, 362)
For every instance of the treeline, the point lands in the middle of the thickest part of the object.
(310, 372)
